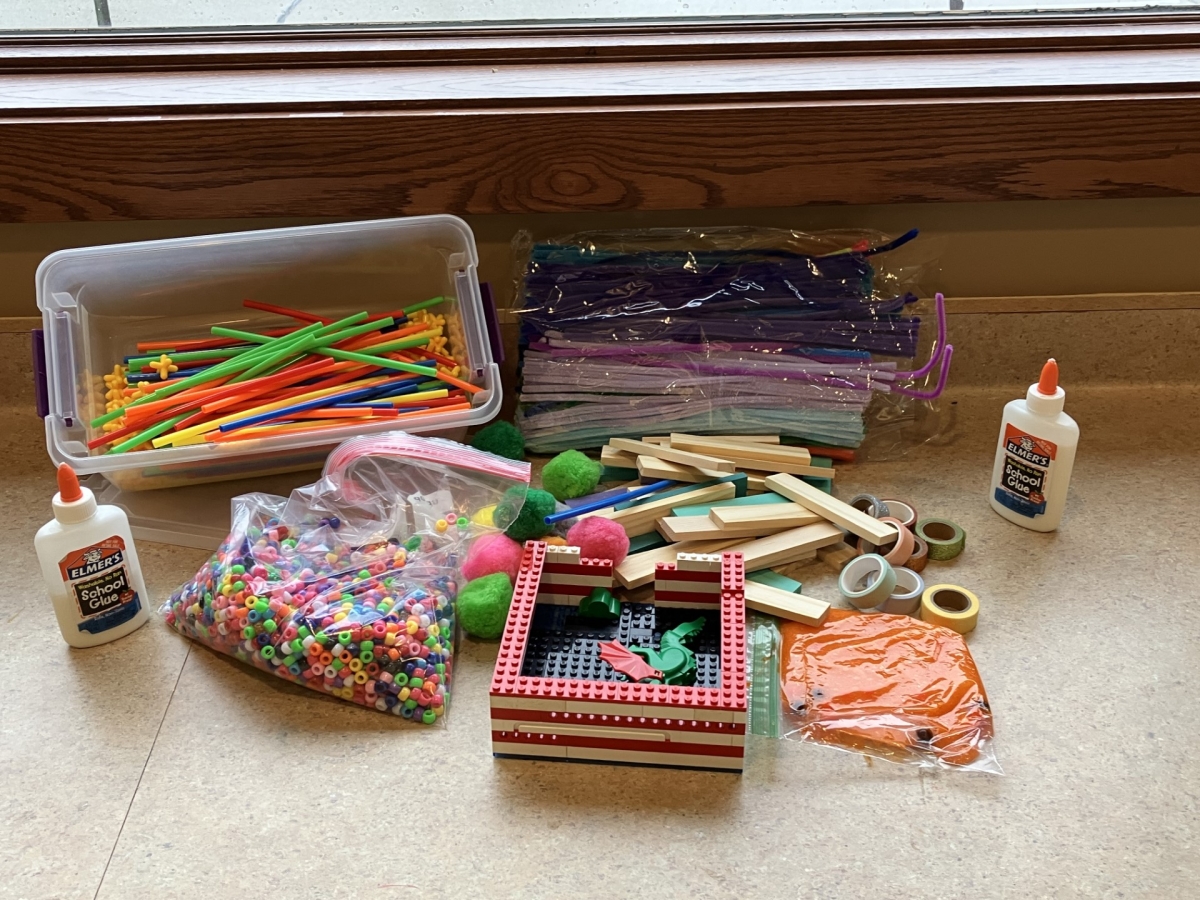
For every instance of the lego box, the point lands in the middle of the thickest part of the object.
(556, 694)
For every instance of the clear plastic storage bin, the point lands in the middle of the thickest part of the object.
(98, 302)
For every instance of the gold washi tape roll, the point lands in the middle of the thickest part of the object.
(951, 607)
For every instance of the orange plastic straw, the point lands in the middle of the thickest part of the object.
(381, 337)
(457, 382)
(203, 343)
(297, 314)
(246, 389)
(429, 354)
(225, 437)
(313, 428)
(366, 412)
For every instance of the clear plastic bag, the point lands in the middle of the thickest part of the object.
(726, 330)
(348, 585)
(887, 686)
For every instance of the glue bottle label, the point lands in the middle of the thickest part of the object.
(1024, 480)
(97, 577)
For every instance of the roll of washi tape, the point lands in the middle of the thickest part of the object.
(905, 512)
(920, 555)
(945, 539)
(950, 606)
(870, 504)
(897, 552)
(906, 598)
(866, 581)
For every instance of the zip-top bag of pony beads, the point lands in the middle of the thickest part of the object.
(348, 586)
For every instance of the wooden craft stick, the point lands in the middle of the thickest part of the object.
(786, 515)
(751, 438)
(665, 439)
(698, 528)
(640, 518)
(654, 468)
(616, 459)
(637, 569)
(787, 546)
(771, 468)
(756, 483)
(837, 555)
(726, 449)
(831, 508)
(699, 460)
(794, 607)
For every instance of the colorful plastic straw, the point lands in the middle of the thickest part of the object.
(320, 374)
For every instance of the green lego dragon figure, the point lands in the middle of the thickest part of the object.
(675, 660)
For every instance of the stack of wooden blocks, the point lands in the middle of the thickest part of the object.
(780, 521)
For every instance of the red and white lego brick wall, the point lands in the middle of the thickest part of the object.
(650, 724)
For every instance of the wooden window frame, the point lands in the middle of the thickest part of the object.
(554, 118)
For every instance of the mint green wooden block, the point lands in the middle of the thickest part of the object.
(701, 509)
(775, 580)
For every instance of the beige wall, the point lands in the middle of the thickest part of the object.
(985, 249)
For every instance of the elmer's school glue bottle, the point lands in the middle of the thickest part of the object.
(90, 566)
(1034, 456)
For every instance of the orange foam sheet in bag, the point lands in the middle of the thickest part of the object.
(886, 686)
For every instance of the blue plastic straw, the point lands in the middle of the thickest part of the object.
(605, 503)
(405, 387)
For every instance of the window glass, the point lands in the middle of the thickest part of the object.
(41, 15)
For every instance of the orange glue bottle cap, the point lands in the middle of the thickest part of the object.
(68, 484)
(1046, 397)
(73, 502)
(1048, 382)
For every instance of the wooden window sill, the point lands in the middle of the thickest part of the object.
(613, 118)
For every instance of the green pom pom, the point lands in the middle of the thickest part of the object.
(524, 522)
(483, 605)
(570, 474)
(502, 438)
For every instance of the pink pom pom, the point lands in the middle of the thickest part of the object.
(599, 538)
(492, 553)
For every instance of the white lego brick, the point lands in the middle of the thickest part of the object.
(528, 748)
(714, 715)
(555, 599)
(684, 732)
(688, 587)
(556, 554)
(698, 562)
(499, 701)
(604, 581)
(728, 763)
(612, 733)
(612, 709)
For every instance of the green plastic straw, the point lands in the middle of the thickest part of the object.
(329, 334)
(424, 304)
(347, 333)
(237, 364)
(188, 356)
(393, 346)
(149, 434)
(377, 361)
(270, 353)
(279, 356)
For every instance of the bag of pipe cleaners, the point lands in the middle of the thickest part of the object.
(729, 330)
(348, 585)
